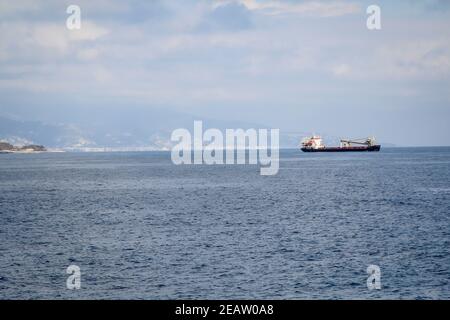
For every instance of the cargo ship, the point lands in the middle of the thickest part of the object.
(314, 144)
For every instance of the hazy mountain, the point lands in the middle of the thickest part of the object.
(20, 132)
(136, 128)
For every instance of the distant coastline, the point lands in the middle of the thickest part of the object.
(6, 147)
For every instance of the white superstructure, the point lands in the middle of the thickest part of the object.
(314, 142)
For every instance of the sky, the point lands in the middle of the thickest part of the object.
(300, 66)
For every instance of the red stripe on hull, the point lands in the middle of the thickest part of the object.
(343, 149)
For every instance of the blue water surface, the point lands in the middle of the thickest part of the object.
(140, 227)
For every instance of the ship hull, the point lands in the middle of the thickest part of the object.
(344, 149)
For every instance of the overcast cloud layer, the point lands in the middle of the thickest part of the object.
(295, 65)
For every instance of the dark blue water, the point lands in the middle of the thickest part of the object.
(141, 228)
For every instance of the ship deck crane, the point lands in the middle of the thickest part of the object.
(367, 142)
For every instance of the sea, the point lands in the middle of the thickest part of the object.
(136, 226)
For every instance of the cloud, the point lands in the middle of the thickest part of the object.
(89, 31)
(44, 39)
(418, 59)
(88, 54)
(315, 8)
(241, 52)
(231, 16)
(433, 5)
(49, 36)
(341, 70)
(8, 8)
